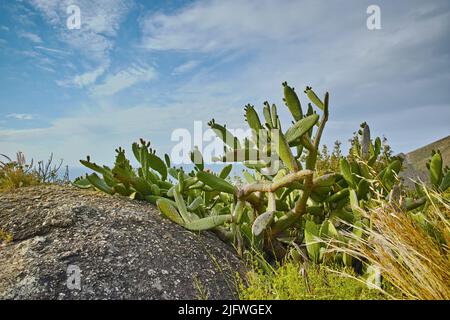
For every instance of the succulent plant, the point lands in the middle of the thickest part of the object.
(285, 200)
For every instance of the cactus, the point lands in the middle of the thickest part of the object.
(292, 102)
(294, 204)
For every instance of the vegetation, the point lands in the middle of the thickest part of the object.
(18, 173)
(419, 157)
(291, 281)
(297, 200)
(410, 251)
(5, 237)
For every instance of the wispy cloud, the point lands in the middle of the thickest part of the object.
(51, 50)
(100, 22)
(84, 79)
(222, 25)
(20, 116)
(31, 36)
(369, 73)
(124, 79)
(185, 67)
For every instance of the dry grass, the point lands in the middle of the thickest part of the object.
(16, 174)
(410, 249)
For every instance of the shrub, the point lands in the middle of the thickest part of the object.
(16, 174)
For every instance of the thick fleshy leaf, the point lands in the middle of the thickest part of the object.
(262, 222)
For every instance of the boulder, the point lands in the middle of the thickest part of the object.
(70, 243)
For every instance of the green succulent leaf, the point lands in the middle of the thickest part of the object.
(215, 182)
(262, 222)
(274, 114)
(99, 183)
(292, 102)
(301, 127)
(436, 169)
(284, 152)
(252, 118)
(195, 204)
(158, 165)
(226, 136)
(208, 222)
(346, 172)
(314, 98)
(312, 242)
(82, 183)
(267, 115)
(95, 167)
(445, 184)
(389, 176)
(338, 195)
(181, 205)
(328, 230)
(363, 188)
(225, 171)
(197, 159)
(167, 160)
(326, 180)
(169, 211)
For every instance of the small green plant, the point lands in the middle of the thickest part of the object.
(294, 282)
(5, 237)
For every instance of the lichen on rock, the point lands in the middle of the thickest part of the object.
(123, 249)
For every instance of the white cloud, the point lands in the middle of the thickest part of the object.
(124, 79)
(4, 28)
(20, 116)
(185, 67)
(89, 77)
(85, 79)
(51, 50)
(73, 137)
(323, 44)
(31, 36)
(220, 25)
(100, 20)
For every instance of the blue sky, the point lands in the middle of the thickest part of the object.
(144, 68)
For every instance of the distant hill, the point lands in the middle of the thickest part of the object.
(415, 161)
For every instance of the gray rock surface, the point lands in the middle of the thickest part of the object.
(124, 249)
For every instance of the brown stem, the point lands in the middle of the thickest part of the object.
(300, 208)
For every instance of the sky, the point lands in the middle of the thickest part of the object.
(141, 69)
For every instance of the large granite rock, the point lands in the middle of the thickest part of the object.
(122, 249)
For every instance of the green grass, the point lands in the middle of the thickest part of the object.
(288, 282)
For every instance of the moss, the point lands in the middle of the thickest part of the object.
(288, 282)
(5, 237)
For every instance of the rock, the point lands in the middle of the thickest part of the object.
(79, 244)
